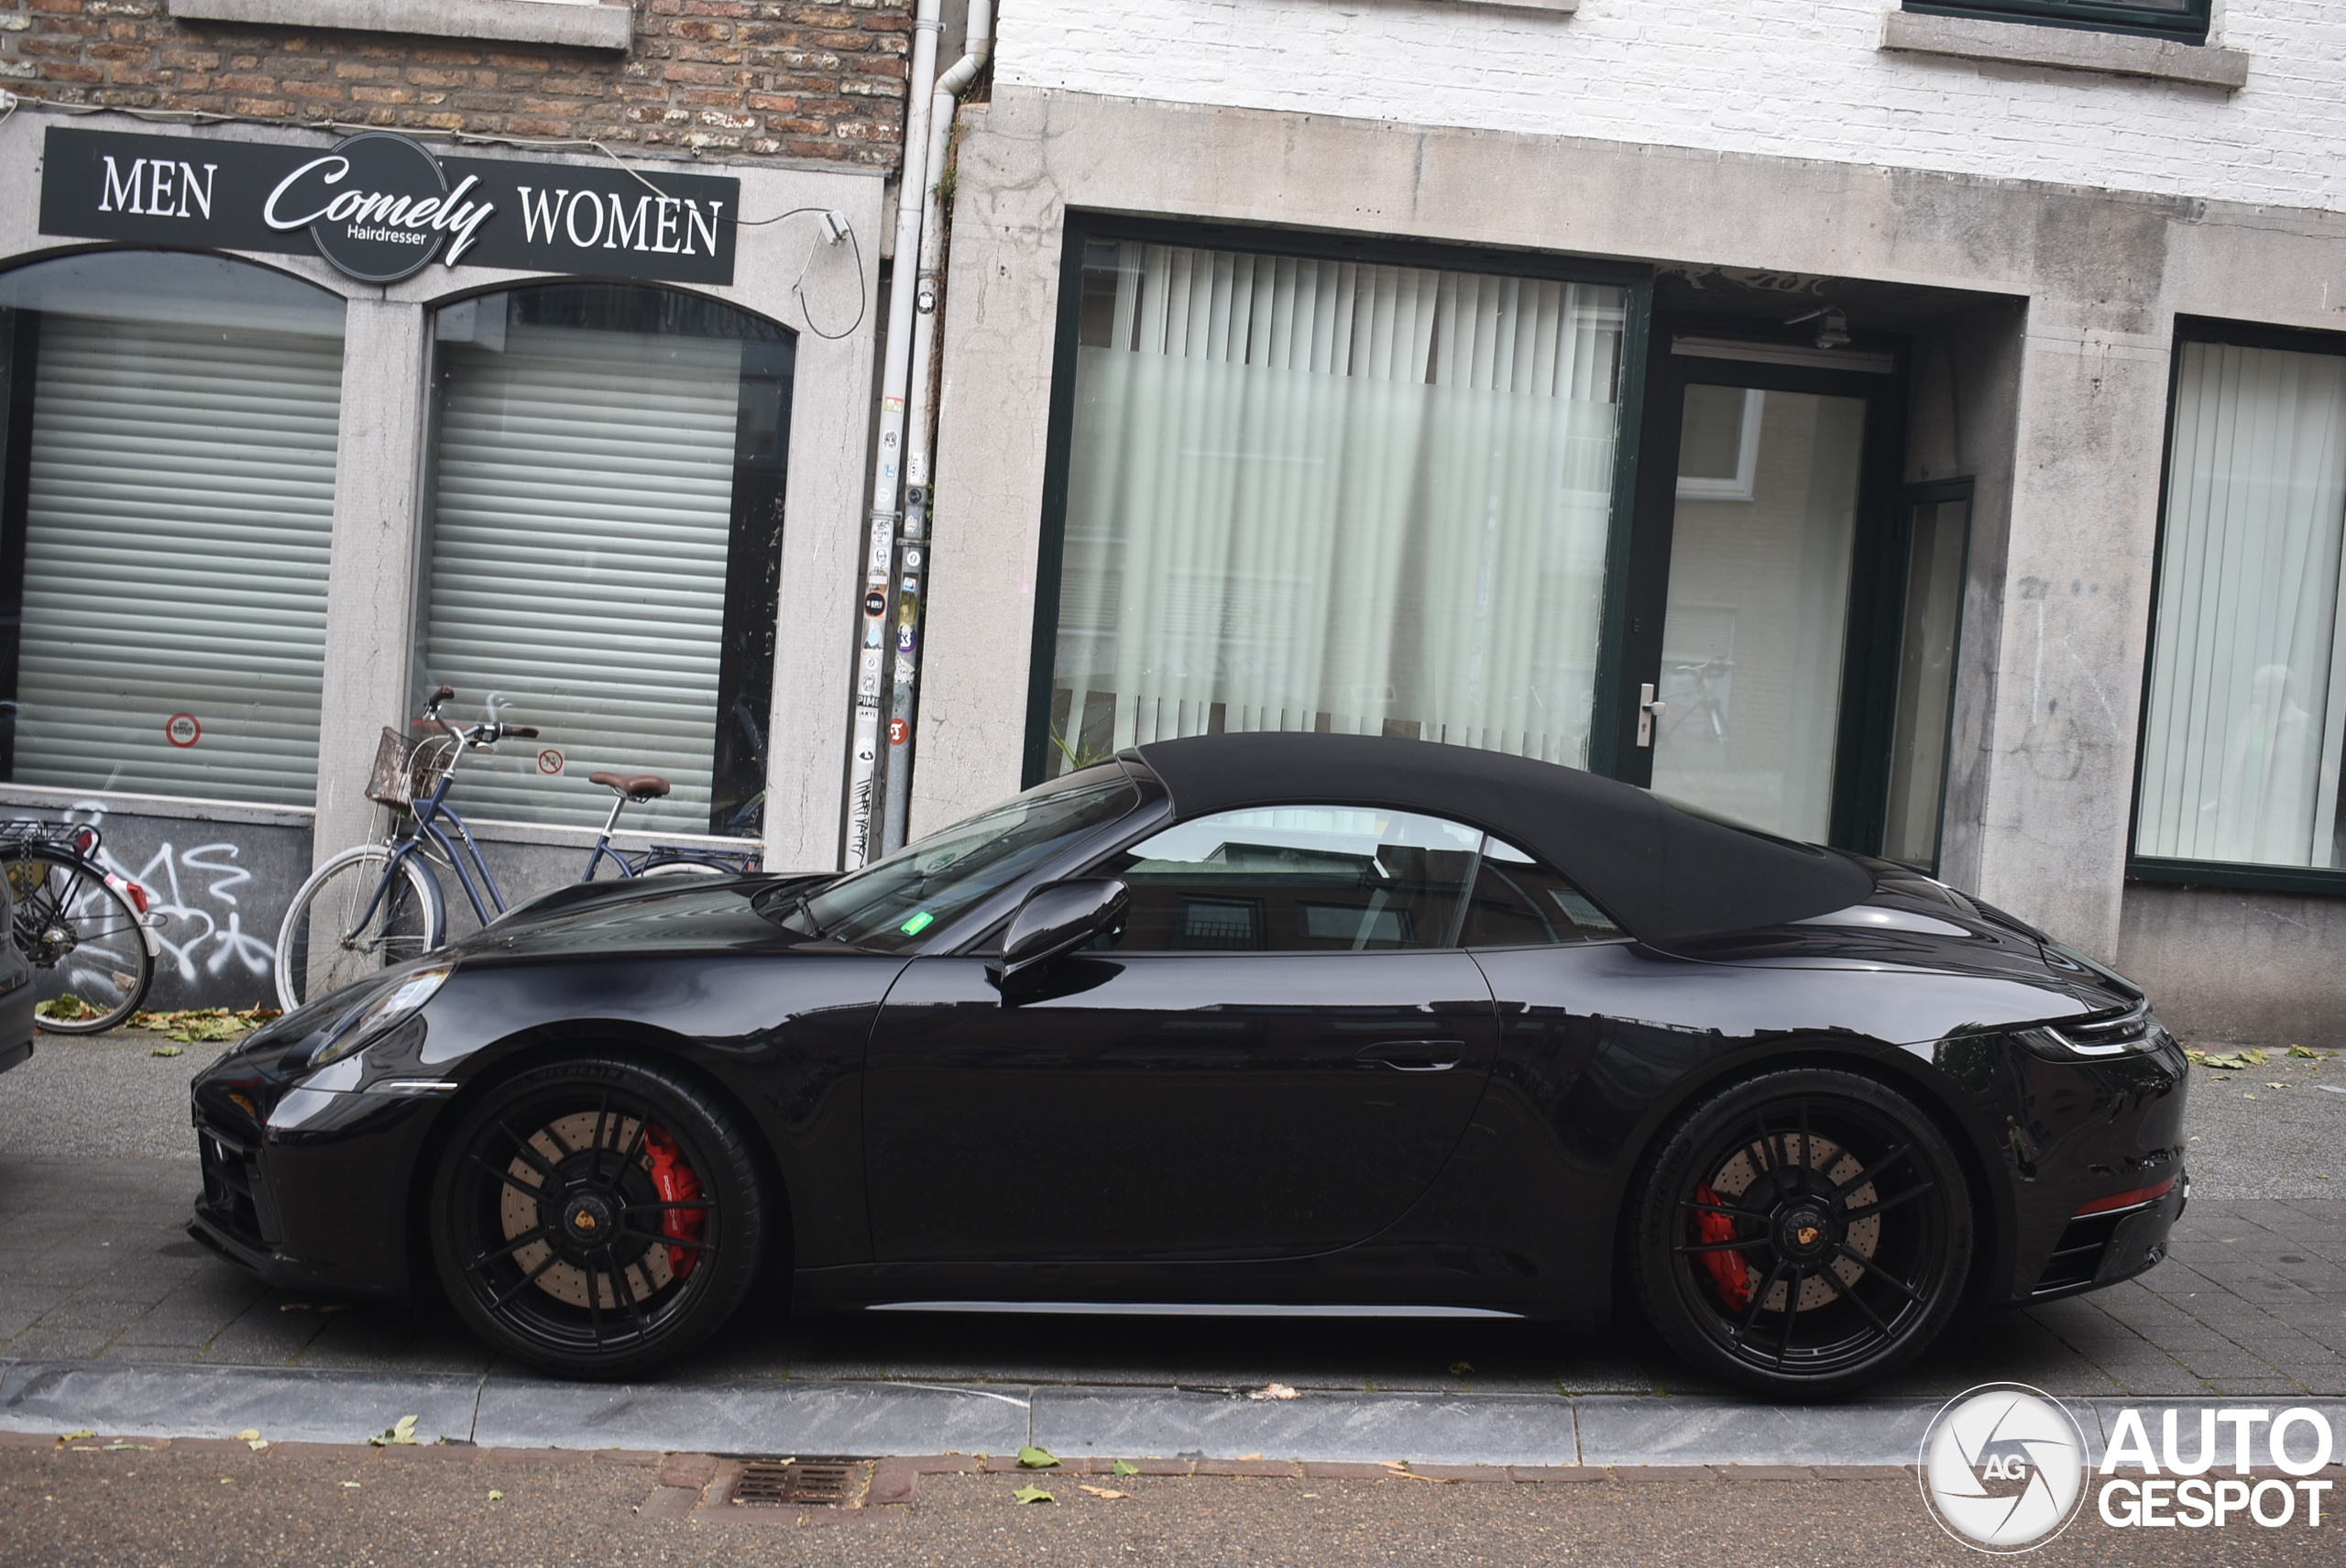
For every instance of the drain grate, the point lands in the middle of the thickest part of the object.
(795, 1483)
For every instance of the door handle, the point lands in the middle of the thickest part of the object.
(1414, 1056)
(1648, 711)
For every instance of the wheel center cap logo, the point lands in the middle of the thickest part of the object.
(587, 1217)
(1808, 1234)
(2002, 1467)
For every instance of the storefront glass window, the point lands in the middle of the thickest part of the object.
(606, 548)
(166, 509)
(2247, 705)
(1310, 495)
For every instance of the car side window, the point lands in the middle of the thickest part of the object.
(1296, 878)
(1521, 903)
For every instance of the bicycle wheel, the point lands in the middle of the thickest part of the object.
(323, 946)
(91, 966)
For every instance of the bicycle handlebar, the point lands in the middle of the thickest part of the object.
(522, 731)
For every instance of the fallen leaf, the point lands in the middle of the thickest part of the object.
(166, 1051)
(77, 1436)
(249, 1434)
(2301, 1051)
(400, 1431)
(1032, 1495)
(350, 1485)
(1274, 1391)
(1460, 1368)
(2248, 1097)
(118, 1447)
(1399, 1471)
(1245, 1457)
(1121, 1468)
(258, 1446)
(497, 1497)
(1108, 1492)
(1034, 1458)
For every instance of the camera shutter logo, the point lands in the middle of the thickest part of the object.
(2002, 1467)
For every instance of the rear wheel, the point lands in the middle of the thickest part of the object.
(595, 1217)
(91, 966)
(1801, 1234)
(331, 939)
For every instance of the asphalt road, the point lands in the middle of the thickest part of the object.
(186, 1507)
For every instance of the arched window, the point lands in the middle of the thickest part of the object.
(165, 510)
(604, 546)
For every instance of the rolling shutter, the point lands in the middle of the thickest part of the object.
(583, 507)
(179, 513)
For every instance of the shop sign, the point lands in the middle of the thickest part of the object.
(381, 207)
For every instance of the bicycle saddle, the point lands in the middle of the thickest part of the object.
(638, 787)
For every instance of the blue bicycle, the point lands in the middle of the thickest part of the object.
(381, 904)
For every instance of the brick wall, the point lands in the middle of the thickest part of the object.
(725, 77)
(1789, 78)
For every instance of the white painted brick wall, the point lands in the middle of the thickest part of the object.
(1791, 77)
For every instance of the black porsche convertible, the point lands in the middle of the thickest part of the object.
(1301, 1019)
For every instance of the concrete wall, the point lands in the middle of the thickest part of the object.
(1805, 79)
(220, 876)
(2055, 636)
(2238, 964)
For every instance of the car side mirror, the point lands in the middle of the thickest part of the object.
(1058, 918)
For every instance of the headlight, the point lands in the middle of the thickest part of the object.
(2133, 1033)
(385, 1008)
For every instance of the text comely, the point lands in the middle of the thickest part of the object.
(451, 214)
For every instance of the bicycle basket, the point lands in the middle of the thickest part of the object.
(406, 768)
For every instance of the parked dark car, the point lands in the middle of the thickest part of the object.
(15, 989)
(1262, 1018)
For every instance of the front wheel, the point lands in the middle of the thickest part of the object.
(596, 1216)
(91, 966)
(340, 931)
(1802, 1233)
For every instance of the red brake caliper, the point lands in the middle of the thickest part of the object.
(676, 1183)
(1729, 1270)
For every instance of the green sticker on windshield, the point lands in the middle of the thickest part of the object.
(918, 924)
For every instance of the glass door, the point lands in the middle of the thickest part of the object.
(1766, 588)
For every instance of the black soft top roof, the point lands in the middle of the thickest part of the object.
(1666, 874)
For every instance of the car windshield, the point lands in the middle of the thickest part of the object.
(892, 903)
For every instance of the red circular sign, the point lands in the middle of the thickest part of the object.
(898, 732)
(549, 761)
(182, 729)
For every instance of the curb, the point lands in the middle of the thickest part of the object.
(1534, 1433)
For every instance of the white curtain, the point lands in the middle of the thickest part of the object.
(2248, 668)
(1318, 495)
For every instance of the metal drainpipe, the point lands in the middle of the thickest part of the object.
(880, 553)
(914, 570)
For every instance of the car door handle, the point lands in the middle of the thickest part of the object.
(1414, 1056)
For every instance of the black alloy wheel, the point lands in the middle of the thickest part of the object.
(596, 1216)
(1801, 1234)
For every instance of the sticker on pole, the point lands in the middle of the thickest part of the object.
(549, 761)
(182, 729)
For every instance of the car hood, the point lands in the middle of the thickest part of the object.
(655, 915)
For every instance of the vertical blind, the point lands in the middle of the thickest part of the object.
(180, 511)
(582, 509)
(1321, 495)
(2248, 668)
